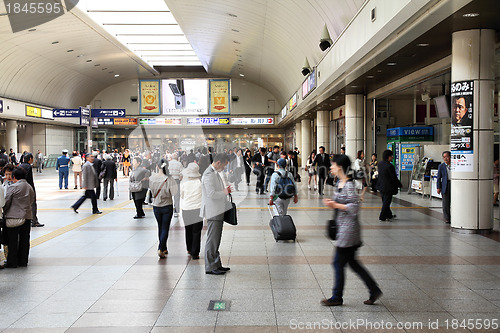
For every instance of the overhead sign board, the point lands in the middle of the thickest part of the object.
(47, 114)
(150, 102)
(309, 84)
(108, 113)
(104, 121)
(84, 117)
(160, 121)
(32, 111)
(409, 134)
(1, 106)
(66, 113)
(207, 121)
(252, 121)
(292, 102)
(283, 112)
(125, 121)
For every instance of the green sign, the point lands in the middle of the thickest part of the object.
(218, 306)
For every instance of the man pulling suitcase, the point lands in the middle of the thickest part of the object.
(283, 188)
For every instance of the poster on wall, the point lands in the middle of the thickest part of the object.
(150, 97)
(408, 156)
(219, 96)
(462, 125)
(184, 97)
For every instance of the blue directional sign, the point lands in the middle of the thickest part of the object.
(108, 113)
(66, 113)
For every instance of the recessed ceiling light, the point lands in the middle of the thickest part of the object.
(391, 64)
(117, 75)
(90, 60)
(232, 15)
(354, 86)
(31, 30)
(471, 15)
(235, 30)
(54, 43)
(379, 71)
(370, 77)
(97, 65)
(236, 42)
(242, 75)
(423, 44)
(237, 50)
(70, 51)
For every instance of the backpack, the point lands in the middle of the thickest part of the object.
(285, 188)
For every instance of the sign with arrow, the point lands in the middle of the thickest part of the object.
(108, 113)
(66, 113)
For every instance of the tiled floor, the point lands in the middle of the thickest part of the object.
(101, 273)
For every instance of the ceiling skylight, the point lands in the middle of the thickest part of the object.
(146, 27)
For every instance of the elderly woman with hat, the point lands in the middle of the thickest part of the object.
(191, 204)
(163, 187)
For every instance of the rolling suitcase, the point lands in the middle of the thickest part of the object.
(282, 226)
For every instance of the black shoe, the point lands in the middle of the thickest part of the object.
(138, 217)
(76, 188)
(393, 217)
(104, 199)
(36, 224)
(195, 257)
(373, 298)
(216, 272)
(74, 209)
(97, 212)
(224, 269)
(331, 302)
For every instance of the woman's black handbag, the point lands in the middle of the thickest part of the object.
(230, 215)
(332, 229)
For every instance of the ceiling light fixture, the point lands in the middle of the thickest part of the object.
(90, 60)
(391, 64)
(370, 77)
(235, 30)
(31, 30)
(69, 51)
(117, 75)
(242, 75)
(423, 44)
(236, 42)
(471, 15)
(232, 15)
(97, 65)
(54, 43)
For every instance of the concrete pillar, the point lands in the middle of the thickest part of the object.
(323, 130)
(306, 140)
(11, 138)
(354, 131)
(298, 141)
(473, 54)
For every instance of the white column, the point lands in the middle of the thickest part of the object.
(298, 141)
(306, 140)
(11, 138)
(473, 54)
(323, 130)
(354, 134)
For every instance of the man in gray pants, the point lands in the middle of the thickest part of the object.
(213, 206)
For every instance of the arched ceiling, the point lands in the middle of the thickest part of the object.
(36, 67)
(265, 40)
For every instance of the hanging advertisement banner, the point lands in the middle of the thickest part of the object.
(150, 103)
(160, 121)
(207, 121)
(462, 125)
(252, 121)
(219, 96)
(125, 121)
(408, 156)
(292, 103)
(32, 111)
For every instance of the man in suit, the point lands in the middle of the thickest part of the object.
(213, 206)
(444, 185)
(97, 168)
(205, 159)
(260, 160)
(272, 159)
(322, 160)
(110, 176)
(89, 184)
(388, 185)
(26, 165)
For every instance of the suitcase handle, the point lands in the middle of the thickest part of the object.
(269, 209)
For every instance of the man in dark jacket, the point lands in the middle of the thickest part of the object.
(322, 160)
(110, 176)
(261, 161)
(444, 184)
(388, 184)
(97, 167)
(206, 159)
(26, 165)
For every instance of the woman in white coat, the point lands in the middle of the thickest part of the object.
(191, 204)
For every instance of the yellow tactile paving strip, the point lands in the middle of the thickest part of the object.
(72, 226)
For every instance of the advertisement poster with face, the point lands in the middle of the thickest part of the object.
(462, 108)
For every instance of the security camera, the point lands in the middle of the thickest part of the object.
(325, 42)
(305, 71)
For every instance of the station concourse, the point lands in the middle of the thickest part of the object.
(418, 77)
